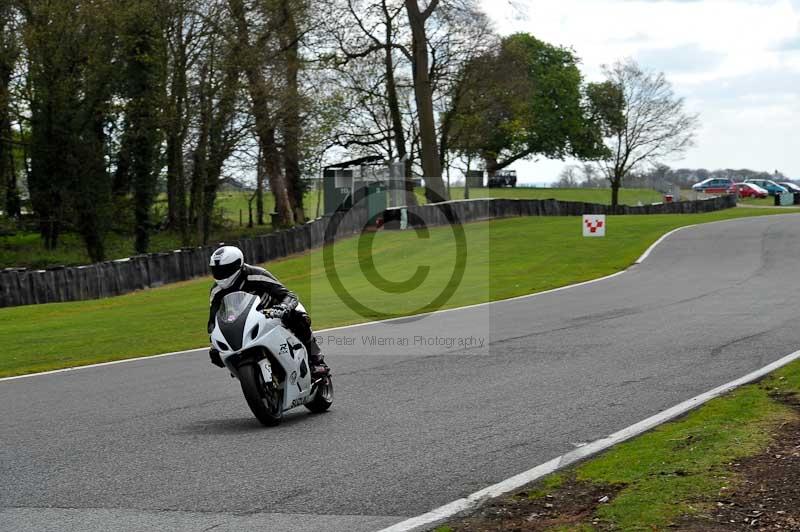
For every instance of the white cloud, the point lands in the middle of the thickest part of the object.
(737, 62)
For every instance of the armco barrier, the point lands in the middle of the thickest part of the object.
(106, 279)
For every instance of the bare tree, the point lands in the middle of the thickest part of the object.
(370, 37)
(185, 28)
(568, 177)
(653, 124)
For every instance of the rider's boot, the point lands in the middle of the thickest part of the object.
(316, 360)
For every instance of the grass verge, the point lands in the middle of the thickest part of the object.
(505, 258)
(24, 249)
(668, 477)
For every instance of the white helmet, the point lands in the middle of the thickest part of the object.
(226, 265)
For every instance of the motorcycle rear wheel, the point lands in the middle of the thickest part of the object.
(323, 398)
(262, 398)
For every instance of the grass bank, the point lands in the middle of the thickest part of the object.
(676, 476)
(505, 258)
(25, 249)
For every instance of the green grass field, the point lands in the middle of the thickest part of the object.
(505, 258)
(231, 204)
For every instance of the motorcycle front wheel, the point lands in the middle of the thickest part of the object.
(263, 398)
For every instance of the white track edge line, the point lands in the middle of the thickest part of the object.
(436, 516)
(658, 242)
(640, 260)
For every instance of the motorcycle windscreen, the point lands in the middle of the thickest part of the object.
(233, 305)
(232, 317)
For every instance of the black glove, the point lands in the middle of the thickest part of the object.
(278, 312)
(215, 358)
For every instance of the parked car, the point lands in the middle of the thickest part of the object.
(716, 186)
(504, 178)
(791, 187)
(770, 186)
(750, 190)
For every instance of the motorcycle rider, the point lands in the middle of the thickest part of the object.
(231, 274)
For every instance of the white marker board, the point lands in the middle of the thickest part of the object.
(594, 225)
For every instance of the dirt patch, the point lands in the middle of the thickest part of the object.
(767, 496)
(571, 504)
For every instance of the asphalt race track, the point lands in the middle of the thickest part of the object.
(169, 444)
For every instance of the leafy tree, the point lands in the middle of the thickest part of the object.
(9, 54)
(142, 84)
(526, 98)
(70, 46)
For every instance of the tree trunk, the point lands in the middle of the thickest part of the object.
(176, 185)
(8, 167)
(209, 198)
(466, 179)
(47, 142)
(93, 189)
(272, 167)
(197, 202)
(250, 207)
(423, 94)
(121, 185)
(260, 187)
(8, 170)
(176, 136)
(199, 173)
(144, 179)
(396, 116)
(616, 184)
(260, 103)
(144, 88)
(291, 117)
(491, 165)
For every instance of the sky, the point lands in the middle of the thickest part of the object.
(736, 62)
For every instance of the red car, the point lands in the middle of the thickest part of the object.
(749, 190)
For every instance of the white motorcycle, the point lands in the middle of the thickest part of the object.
(269, 361)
